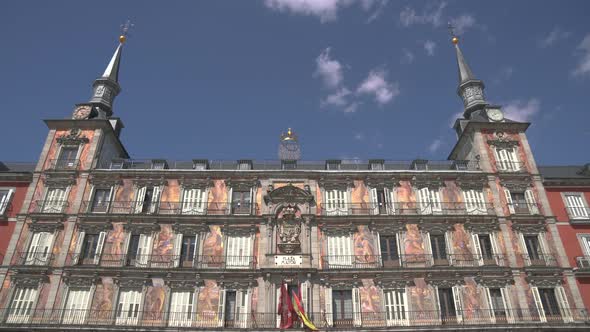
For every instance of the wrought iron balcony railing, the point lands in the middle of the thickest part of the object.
(39, 258)
(169, 208)
(524, 208)
(49, 206)
(338, 262)
(406, 208)
(539, 260)
(510, 166)
(165, 261)
(583, 262)
(64, 164)
(578, 213)
(168, 321)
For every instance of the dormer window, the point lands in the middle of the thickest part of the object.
(117, 164)
(159, 164)
(289, 164)
(376, 165)
(333, 165)
(200, 165)
(244, 165)
(420, 165)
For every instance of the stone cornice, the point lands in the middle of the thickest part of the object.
(141, 228)
(329, 183)
(46, 226)
(95, 227)
(529, 228)
(59, 179)
(195, 183)
(427, 181)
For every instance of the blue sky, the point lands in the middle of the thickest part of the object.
(354, 78)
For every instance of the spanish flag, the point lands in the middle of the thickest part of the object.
(301, 313)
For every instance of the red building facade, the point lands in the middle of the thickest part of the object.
(568, 191)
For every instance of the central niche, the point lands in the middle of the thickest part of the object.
(289, 229)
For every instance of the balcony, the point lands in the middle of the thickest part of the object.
(578, 215)
(523, 209)
(49, 206)
(75, 319)
(511, 167)
(583, 265)
(166, 261)
(33, 258)
(351, 262)
(169, 208)
(407, 208)
(540, 260)
(64, 164)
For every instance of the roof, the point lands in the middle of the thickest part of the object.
(562, 172)
(16, 167)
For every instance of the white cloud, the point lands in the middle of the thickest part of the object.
(554, 36)
(379, 6)
(407, 57)
(429, 46)
(462, 23)
(435, 145)
(376, 84)
(325, 10)
(328, 69)
(353, 107)
(503, 75)
(518, 110)
(338, 98)
(583, 67)
(359, 136)
(433, 15)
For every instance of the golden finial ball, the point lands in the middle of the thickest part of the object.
(122, 39)
(455, 40)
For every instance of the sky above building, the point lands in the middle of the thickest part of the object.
(354, 79)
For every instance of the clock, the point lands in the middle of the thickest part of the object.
(81, 112)
(495, 114)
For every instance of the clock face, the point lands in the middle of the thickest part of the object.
(495, 114)
(81, 112)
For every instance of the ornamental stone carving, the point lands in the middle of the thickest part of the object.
(73, 137)
(95, 227)
(289, 194)
(289, 229)
(49, 227)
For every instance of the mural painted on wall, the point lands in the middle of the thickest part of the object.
(370, 297)
(22, 241)
(44, 293)
(474, 302)
(58, 242)
(405, 198)
(5, 291)
(125, 192)
(462, 244)
(115, 241)
(319, 198)
(413, 244)
(254, 302)
(154, 301)
(170, 195)
(54, 148)
(451, 192)
(207, 302)
(213, 246)
(217, 200)
(364, 245)
(490, 135)
(518, 251)
(102, 301)
(359, 197)
(422, 300)
(163, 246)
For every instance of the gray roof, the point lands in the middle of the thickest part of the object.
(565, 172)
(16, 167)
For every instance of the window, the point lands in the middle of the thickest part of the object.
(200, 165)
(389, 250)
(92, 245)
(336, 202)
(382, 199)
(506, 159)
(396, 307)
(234, 306)
(241, 201)
(128, 307)
(40, 249)
(139, 250)
(449, 300)
(576, 206)
(339, 251)
(474, 202)
(439, 248)
(238, 251)
(159, 164)
(55, 200)
(288, 164)
(5, 196)
(535, 249)
(77, 306)
(147, 199)
(342, 307)
(552, 304)
(182, 309)
(376, 165)
(429, 201)
(244, 165)
(521, 202)
(584, 261)
(500, 307)
(485, 249)
(67, 157)
(101, 200)
(185, 248)
(22, 305)
(194, 201)
(333, 165)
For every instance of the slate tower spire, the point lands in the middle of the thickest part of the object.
(470, 88)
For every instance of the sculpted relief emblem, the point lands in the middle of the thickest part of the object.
(289, 230)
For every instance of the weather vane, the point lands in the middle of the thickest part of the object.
(125, 30)
(454, 38)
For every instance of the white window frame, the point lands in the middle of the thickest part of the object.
(40, 248)
(55, 199)
(396, 307)
(507, 159)
(340, 250)
(336, 202)
(130, 302)
(479, 253)
(5, 200)
(140, 197)
(194, 201)
(243, 298)
(429, 200)
(238, 251)
(576, 205)
(107, 202)
(475, 202)
(458, 298)
(77, 305)
(22, 306)
(584, 261)
(183, 305)
(505, 292)
(144, 250)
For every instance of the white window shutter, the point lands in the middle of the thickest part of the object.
(5, 201)
(177, 248)
(187, 200)
(576, 206)
(356, 304)
(389, 200)
(242, 307)
(144, 250)
(477, 248)
(305, 302)
(424, 201)
(375, 201)
(545, 250)
(497, 254)
(488, 298)
(457, 296)
(435, 201)
(509, 201)
(155, 203)
(229, 201)
(449, 246)
(400, 247)
(530, 200)
(45, 246)
(328, 303)
(513, 159)
(564, 307)
(527, 256)
(78, 250)
(506, 299)
(99, 246)
(427, 248)
(221, 308)
(33, 249)
(539, 304)
(140, 197)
